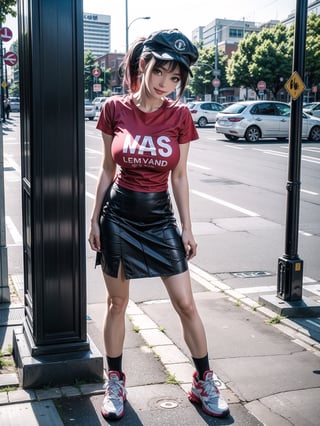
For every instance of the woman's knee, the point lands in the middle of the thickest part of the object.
(186, 308)
(117, 305)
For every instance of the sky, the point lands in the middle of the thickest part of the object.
(186, 16)
(181, 14)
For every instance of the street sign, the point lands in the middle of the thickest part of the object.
(96, 72)
(10, 58)
(5, 34)
(97, 87)
(295, 86)
(261, 86)
(216, 82)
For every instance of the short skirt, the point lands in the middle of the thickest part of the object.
(139, 230)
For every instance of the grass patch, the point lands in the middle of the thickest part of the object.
(275, 320)
(171, 379)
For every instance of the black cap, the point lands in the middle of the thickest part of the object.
(172, 45)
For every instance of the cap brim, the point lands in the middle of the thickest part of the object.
(171, 56)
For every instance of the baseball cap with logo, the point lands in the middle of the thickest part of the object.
(172, 45)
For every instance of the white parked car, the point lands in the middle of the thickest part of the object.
(313, 109)
(89, 110)
(98, 102)
(254, 120)
(204, 113)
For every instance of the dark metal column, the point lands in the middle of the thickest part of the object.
(290, 266)
(288, 301)
(53, 196)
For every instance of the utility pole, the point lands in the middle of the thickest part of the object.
(4, 285)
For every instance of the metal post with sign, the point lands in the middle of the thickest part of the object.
(290, 266)
(4, 282)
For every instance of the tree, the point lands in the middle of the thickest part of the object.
(264, 56)
(104, 78)
(7, 7)
(312, 67)
(201, 83)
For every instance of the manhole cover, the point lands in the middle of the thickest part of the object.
(168, 404)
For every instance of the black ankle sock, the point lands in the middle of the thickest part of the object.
(115, 364)
(202, 365)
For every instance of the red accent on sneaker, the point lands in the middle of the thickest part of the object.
(115, 396)
(206, 393)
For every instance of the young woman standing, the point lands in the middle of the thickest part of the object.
(146, 140)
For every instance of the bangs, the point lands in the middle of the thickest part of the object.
(172, 65)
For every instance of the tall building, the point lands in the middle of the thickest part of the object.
(96, 33)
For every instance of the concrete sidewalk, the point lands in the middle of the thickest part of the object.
(269, 373)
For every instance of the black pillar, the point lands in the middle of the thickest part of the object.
(290, 266)
(53, 347)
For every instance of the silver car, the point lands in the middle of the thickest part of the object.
(204, 112)
(89, 110)
(313, 109)
(254, 120)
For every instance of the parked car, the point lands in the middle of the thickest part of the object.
(254, 120)
(313, 109)
(14, 104)
(98, 102)
(204, 113)
(89, 110)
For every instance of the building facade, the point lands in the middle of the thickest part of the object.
(96, 33)
(112, 61)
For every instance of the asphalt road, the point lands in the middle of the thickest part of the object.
(238, 207)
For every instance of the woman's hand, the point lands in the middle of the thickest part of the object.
(94, 237)
(189, 243)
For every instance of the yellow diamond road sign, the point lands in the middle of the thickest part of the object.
(295, 86)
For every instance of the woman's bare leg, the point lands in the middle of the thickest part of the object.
(180, 293)
(114, 322)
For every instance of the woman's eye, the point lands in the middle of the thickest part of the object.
(175, 79)
(157, 71)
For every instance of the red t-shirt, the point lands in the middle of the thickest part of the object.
(145, 145)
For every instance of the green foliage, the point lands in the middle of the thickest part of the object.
(89, 79)
(201, 83)
(7, 7)
(313, 50)
(264, 56)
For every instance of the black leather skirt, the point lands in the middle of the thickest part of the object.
(139, 230)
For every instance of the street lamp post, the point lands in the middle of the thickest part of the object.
(128, 25)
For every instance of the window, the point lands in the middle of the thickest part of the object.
(264, 109)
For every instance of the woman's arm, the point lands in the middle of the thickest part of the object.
(180, 188)
(106, 176)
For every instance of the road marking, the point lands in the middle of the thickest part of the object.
(12, 163)
(309, 192)
(13, 230)
(233, 147)
(198, 166)
(92, 176)
(89, 195)
(93, 151)
(305, 234)
(225, 203)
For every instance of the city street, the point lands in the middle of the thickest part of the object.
(238, 207)
(267, 373)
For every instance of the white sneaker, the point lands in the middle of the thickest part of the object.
(115, 396)
(206, 393)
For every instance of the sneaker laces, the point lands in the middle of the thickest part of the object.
(210, 389)
(114, 388)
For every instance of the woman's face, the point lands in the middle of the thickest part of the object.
(163, 80)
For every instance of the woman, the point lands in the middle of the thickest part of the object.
(146, 139)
